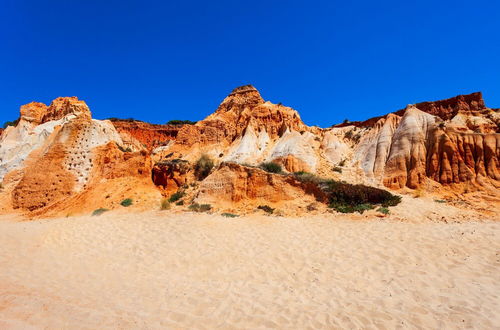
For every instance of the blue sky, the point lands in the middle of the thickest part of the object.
(330, 60)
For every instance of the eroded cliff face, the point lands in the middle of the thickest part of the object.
(233, 184)
(420, 145)
(137, 135)
(58, 159)
(448, 141)
(58, 153)
(170, 176)
(246, 129)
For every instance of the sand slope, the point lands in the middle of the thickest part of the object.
(183, 271)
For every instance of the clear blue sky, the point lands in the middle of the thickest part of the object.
(330, 60)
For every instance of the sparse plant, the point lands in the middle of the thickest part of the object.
(180, 122)
(348, 208)
(439, 201)
(271, 167)
(306, 177)
(10, 123)
(179, 203)
(200, 207)
(383, 210)
(229, 215)
(123, 149)
(266, 208)
(99, 212)
(203, 167)
(126, 202)
(312, 207)
(176, 196)
(165, 204)
(342, 163)
(337, 169)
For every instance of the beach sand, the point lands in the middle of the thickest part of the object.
(187, 271)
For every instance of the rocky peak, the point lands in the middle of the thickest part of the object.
(63, 106)
(240, 98)
(33, 112)
(470, 104)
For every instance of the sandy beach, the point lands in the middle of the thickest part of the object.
(198, 271)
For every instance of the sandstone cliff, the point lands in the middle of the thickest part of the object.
(57, 154)
(233, 185)
(246, 129)
(450, 141)
(58, 159)
(137, 134)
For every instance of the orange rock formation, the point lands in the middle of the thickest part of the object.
(150, 136)
(58, 159)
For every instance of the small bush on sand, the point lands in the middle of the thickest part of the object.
(200, 207)
(347, 208)
(176, 196)
(271, 167)
(126, 202)
(439, 201)
(348, 198)
(165, 204)
(266, 208)
(230, 215)
(383, 210)
(180, 203)
(337, 169)
(99, 212)
(203, 167)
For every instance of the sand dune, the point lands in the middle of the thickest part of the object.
(184, 271)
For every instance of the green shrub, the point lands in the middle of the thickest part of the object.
(347, 208)
(348, 198)
(271, 167)
(99, 212)
(126, 202)
(229, 215)
(355, 194)
(266, 208)
(337, 169)
(307, 177)
(165, 204)
(180, 122)
(176, 196)
(383, 210)
(203, 167)
(10, 123)
(180, 203)
(200, 207)
(122, 149)
(439, 201)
